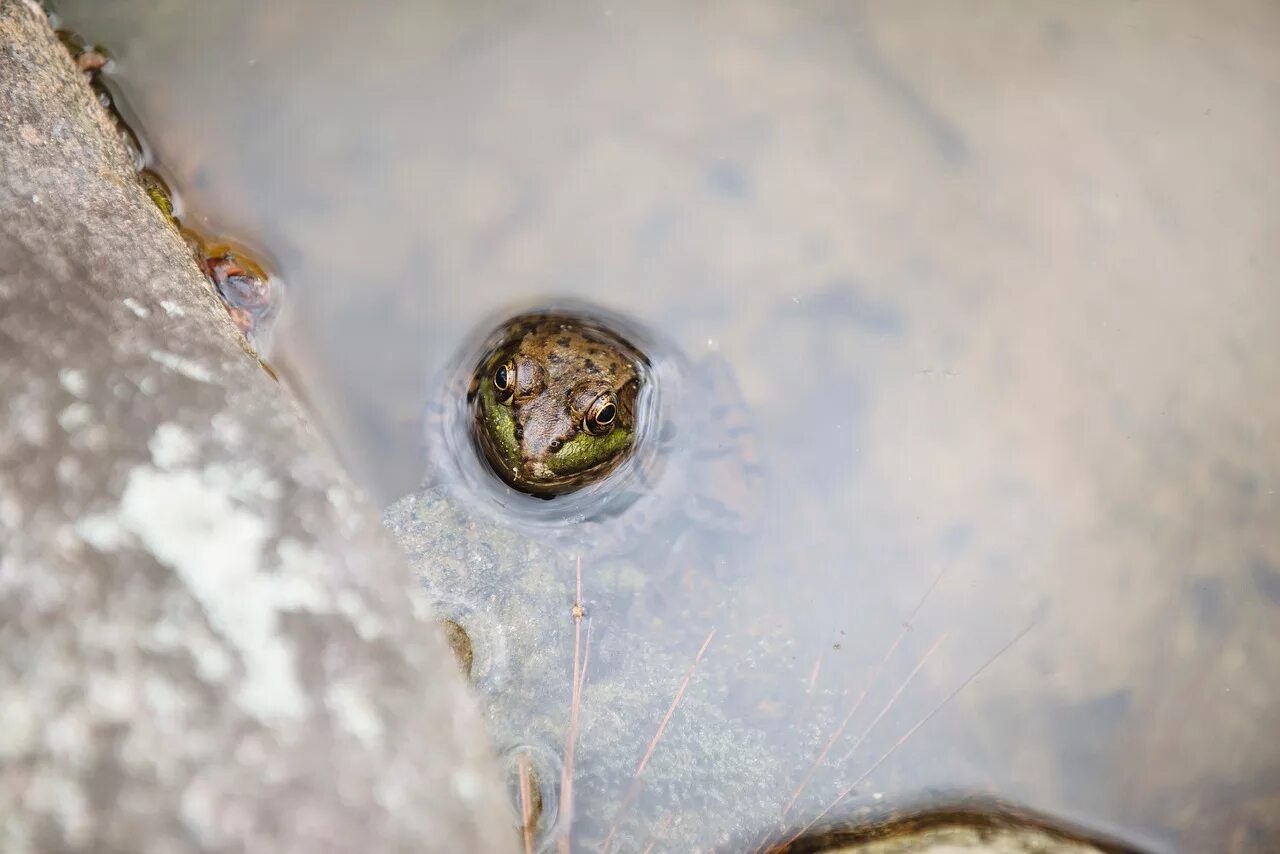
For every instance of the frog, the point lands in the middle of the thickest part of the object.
(250, 296)
(554, 402)
(589, 429)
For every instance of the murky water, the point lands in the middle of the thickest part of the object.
(996, 289)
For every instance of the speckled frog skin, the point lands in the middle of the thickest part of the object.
(554, 402)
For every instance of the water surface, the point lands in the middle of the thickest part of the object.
(996, 285)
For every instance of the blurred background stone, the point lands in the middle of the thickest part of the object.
(206, 642)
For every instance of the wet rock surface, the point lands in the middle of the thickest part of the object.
(955, 840)
(537, 629)
(205, 640)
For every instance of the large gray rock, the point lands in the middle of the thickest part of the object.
(205, 641)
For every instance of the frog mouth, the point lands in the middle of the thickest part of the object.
(535, 478)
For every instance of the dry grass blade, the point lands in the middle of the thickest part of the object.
(813, 674)
(857, 704)
(865, 732)
(848, 790)
(634, 788)
(896, 694)
(580, 659)
(810, 685)
(657, 736)
(526, 804)
(839, 730)
(659, 832)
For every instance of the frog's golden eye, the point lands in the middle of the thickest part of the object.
(504, 380)
(602, 414)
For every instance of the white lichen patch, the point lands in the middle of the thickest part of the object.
(345, 506)
(66, 541)
(270, 490)
(390, 794)
(244, 481)
(73, 381)
(216, 548)
(101, 531)
(297, 582)
(67, 737)
(75, 417)
(339, 500)
(42, 590)
(10, 512)
(172, 309)
(422, 609)
(354, 713)
(28, 416)
(200, 812)
(228, 430)
(181, 365)
(62, 797)
(367, 624)
(165, 700)
(17, 725)
(467, 784)
(136, 307)
(179, 631)
(69, 472)
(172, 446)
(111, 696)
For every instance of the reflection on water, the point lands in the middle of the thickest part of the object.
(995, 287)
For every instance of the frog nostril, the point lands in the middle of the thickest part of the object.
(519, 432)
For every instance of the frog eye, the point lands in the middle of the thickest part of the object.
(602, 414)
(504, 380)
